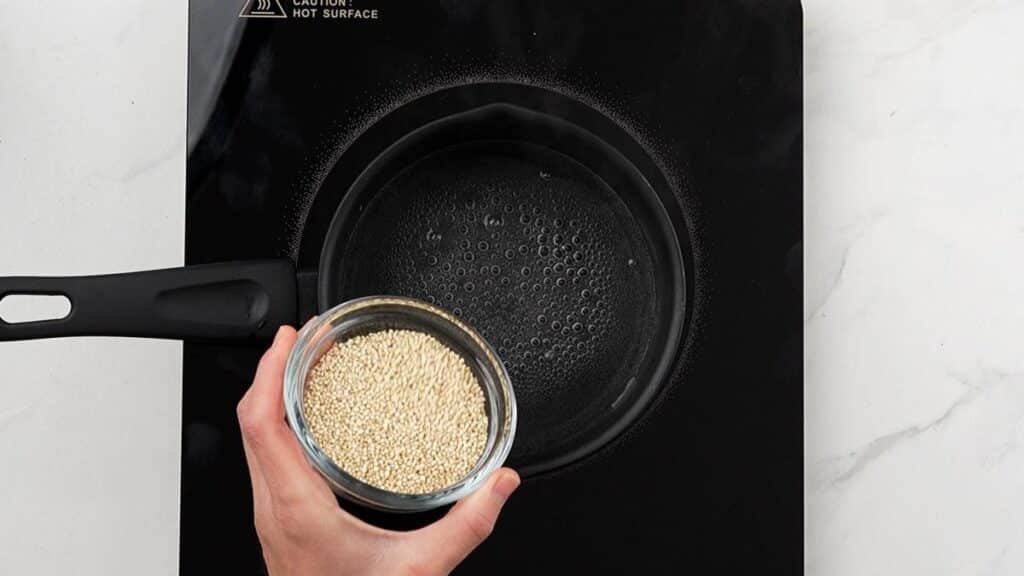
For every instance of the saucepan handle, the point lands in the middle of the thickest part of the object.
(229, 301)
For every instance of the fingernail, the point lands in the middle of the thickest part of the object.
(506, 484)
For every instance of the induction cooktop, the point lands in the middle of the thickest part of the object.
(282, 96)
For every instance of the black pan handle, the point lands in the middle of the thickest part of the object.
(229, 301)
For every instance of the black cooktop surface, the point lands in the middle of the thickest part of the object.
(710, 92)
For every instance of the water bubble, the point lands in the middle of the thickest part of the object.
(505, 281)
(557, 238)
(432, 260)
(577, 327)
(556, 325)
(509, 208)
(457, 311)
(560, 282)
(541, 238)
(524, 286)
(558, 267)
(431, 299)
(523, 249)
(585, 293)
(542, 319)
(535, 341)
(524, 218)
(464, 229)
(547, 270)
(525, 271)
(449, 296)
(483, 246)
(570, 271)
(469, 287)
(536, 288)
(447, 266)
(543, 251)
(510, 253)
(468, 256)
(461, 272)
(582, 271)
(591, 328)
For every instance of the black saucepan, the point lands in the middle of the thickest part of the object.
(535, 230)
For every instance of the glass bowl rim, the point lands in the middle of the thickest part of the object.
(346, 485)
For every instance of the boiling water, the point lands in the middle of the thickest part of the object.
(532, 250)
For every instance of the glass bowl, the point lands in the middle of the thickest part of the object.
(375, 313)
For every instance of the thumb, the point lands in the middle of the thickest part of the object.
(448, 541)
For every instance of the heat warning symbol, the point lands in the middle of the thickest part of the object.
(262, 9)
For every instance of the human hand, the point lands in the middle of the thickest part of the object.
(302, 529)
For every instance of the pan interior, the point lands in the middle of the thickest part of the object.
(537, 253)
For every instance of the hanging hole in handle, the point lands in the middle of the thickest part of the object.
(21, 308)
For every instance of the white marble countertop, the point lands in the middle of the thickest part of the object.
(914, 287)
(92, 179)
(914, 291)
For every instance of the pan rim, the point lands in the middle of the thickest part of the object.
(668, 348)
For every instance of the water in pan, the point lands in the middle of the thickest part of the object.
(537, 254)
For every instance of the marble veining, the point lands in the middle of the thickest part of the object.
(914, 298)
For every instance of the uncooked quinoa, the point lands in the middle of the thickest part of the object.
(398, 410)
